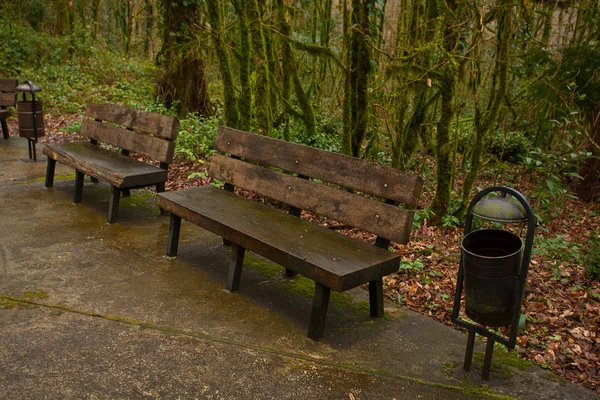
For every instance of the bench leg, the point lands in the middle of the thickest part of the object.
(173, 241)
(4, 128)
(160, 187)
(316, 326)
(113, 206)
(235, 268)
(77, 194)
(376, 298)
(50, 167)
(289, 273)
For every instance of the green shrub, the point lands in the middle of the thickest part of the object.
(196, 136)
(509, 146)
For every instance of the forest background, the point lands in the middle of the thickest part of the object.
(467, 94)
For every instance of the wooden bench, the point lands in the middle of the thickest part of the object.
(145, 134)
(334, 261)
(8, 98)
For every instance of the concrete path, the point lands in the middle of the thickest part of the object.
(91, 310)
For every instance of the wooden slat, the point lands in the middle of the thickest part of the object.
(106, 165)
(8, 85)
(370, 215)
(7, 99)
(153, 147)
(325, 256)
(159, 125)
(335, 168)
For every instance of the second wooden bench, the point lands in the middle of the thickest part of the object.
(125, 131)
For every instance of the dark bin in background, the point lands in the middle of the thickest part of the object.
(27, 118)
(492, 259)
(30, 116)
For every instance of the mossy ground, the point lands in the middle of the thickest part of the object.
(24, 301)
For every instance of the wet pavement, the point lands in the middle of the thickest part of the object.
(92, 310)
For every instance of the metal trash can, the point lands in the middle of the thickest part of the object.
(492, 259)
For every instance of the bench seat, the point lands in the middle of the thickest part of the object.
(321, 254)
(118, 170)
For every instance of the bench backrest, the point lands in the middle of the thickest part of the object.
(304, 167)
(149, 134)
(8, 96)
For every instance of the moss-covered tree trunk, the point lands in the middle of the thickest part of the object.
(262, 90)
(244, 61)
(359, 58)
(447, 86)
(290, 66)
(183, 82)
(484, 120)
(443, 175)
(230, 110)
(62, 16)
(148, 27)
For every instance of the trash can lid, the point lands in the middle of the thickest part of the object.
(26, 88)
(494, 207)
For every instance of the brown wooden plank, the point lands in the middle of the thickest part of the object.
(156, 124)
(370, 215)
(106, 165)
(350, 172)
(8, 85)
(325, 256)
(153, 147)
(7, 99)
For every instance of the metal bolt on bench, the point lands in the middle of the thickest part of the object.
(493, 269)
(30, 117)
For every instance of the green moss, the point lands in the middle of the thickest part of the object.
(268, 269)
(7, 304)
(140, 200)
(27, 300)
(449, 367)
(483, 391)
(43, 179)
(34, 295)
(506, 359)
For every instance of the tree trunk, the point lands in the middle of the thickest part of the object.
(262, 92)
(184, 72)
(498, 89)
(358, 75)
(244, 58)
(441, 201)
(230, 110)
